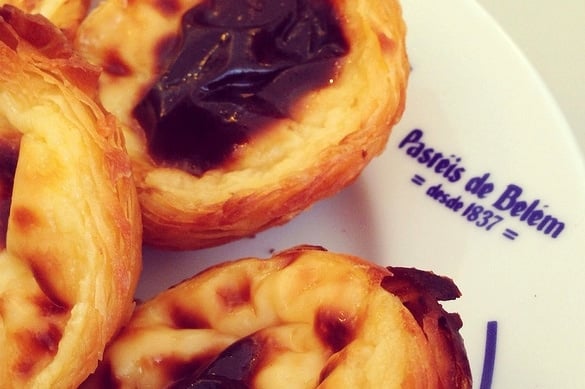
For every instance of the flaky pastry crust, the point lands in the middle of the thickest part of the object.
(330, 137)
(65, 14)
(71, 242)
(305, 318)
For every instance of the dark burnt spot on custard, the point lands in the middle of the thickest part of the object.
(48, 308)
(37, 346)
(114, 65)
(48, 340)
(24, 219)
(177, 369)
(167, 7)
(8, 160)
(239, 67)
(25, 366)
(235, 294)
(104, 374)
(187, 318)
(335, 328)
(163, 52)
(234, 367)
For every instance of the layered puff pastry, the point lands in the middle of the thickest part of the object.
(304, 318)
(241, 114)
(65, 14)
(70, 237)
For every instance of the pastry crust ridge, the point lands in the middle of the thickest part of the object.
(71, 253)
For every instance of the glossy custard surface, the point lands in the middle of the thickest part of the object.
(239, 66)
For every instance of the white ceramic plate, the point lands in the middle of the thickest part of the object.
(511, 232)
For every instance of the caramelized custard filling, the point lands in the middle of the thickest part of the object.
(235, 367)
(8, 160)
(238, 67)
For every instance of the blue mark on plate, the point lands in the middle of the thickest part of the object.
(489, 358)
